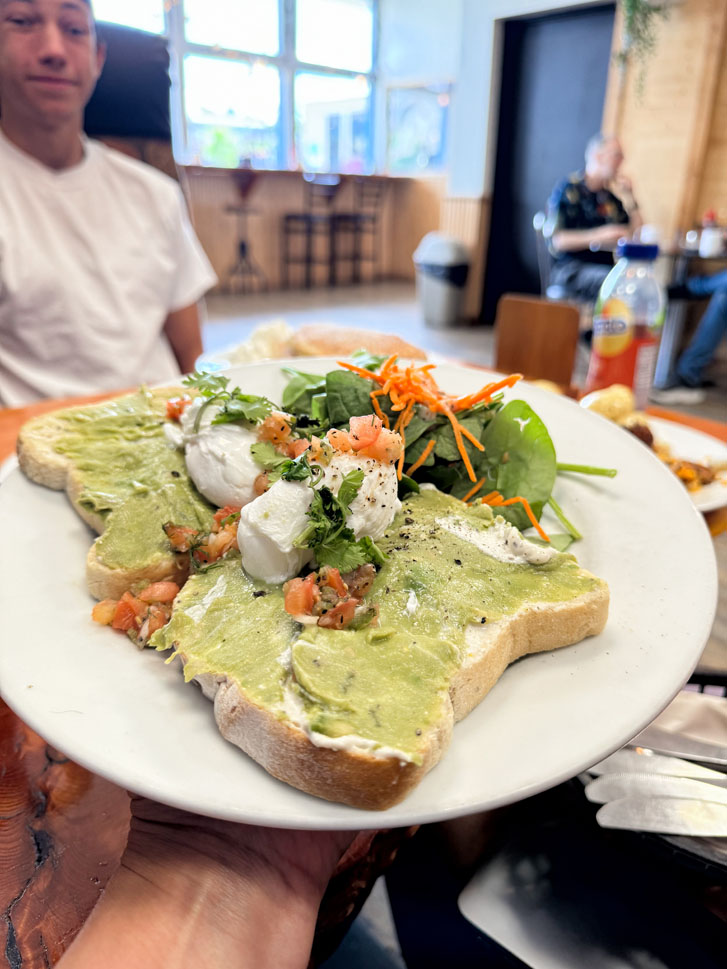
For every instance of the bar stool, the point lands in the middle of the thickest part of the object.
(315, 222)
(244, 269)
(359, 230)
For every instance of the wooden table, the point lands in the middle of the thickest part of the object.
(63, 829)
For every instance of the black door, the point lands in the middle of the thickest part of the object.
(553, 85)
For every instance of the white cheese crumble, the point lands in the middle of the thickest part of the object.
(501, 541)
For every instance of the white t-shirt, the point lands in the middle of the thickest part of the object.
(92, 260)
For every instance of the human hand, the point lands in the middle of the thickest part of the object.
(623, 185)
(199, 892)
(609, 234)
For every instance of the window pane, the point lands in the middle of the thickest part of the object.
(417, 126)
(142, 14)
(250, 25)
(335, 33)
(332, 123)
(233, 112)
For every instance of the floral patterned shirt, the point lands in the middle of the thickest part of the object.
(572, 205)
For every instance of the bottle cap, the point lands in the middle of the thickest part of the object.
(637, 250)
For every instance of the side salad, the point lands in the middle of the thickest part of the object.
(474, 447)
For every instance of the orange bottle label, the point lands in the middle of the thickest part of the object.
(622, 352)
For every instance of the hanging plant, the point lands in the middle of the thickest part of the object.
(640, 33)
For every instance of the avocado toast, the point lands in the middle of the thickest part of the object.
(353, 715)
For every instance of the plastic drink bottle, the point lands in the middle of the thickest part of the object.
(627, 321)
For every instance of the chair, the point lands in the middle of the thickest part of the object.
(360, 225)
(129, 109)
(536, 337)
(545, 258)
(315, 222)
(245, 269)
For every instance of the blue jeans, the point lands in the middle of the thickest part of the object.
(712, 327)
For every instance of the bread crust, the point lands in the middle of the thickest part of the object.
(40, 462)
(364, 780)
(328, 339)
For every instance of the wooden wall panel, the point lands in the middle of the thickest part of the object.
(668, 130)
(410, 209)
(467, 219)
(713, 188)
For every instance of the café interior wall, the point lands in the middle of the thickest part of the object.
(411, 207)
(674, 131)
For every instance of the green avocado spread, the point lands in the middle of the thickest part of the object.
(383, 685)
(131, 476)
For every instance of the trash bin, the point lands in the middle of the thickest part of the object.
(442, 264)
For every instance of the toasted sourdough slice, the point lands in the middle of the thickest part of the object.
(330, 340)
(360, 717)
(85, 451)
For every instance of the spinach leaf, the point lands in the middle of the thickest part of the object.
(369, 361)
(407, 485)
(347, 395)
(414, 451)
(560, 542)
(418, 426)
(446, 446)
(319, 408)
(300, 390)
(519, 459)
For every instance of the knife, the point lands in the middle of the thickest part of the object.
(665, 815)
(629, 761)
(677, 745)
(613, 787)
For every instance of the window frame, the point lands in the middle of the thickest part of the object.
(288, 66)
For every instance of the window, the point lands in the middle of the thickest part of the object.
(274, 83)
(242, 25)
(142, 14)
(232, 111)
(331, 122)
(266, 83)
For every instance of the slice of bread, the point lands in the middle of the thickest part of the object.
(363, 779)
(356, 770)
(330, 340)
(43, 463)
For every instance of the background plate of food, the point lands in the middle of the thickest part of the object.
(698, 460)
(127, 715)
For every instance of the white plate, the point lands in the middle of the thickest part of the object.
(128, 716)
(692, 445)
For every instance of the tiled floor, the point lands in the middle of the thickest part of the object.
(392, 308)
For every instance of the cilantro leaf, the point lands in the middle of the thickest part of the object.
(350, 486)
(343, 553)
(266, 456)
(207, 384)
(327, 534)
(244, 407)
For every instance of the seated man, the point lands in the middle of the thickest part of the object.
(100, 270)
(586, 220)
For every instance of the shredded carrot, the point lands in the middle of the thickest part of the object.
(473, 491)
(384, 418)
(415, 385)
(470, 437)
(422, 457)
(496, 500)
